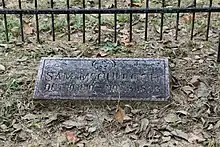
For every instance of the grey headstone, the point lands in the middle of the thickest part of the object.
(103, 79)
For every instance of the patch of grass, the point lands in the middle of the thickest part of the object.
(123, 18)
(108, 19)
(7, 110)
(44, 23)
(60, 23)
(77, 21)
(13, 27)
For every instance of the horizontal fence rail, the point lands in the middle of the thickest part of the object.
(110, 11)
(115, 10)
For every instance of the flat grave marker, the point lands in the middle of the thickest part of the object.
(103, 79)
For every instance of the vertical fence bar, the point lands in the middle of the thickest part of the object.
(52, 18)
(218, 56)
(146, 20)
(161, 24)
(84, 30)
(37, 24)
(21, 22)
(208, 23)
(68, 19)
(193, 20)
(5, 20)
(131, 22)
(99, 37)
(115, 20)
(177, 21)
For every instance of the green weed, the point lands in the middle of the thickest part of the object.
(112, 48)
(12, 84)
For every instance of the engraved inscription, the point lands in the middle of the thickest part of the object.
(103, 78)
(103, 65)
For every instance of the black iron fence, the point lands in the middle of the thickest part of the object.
(114, 10)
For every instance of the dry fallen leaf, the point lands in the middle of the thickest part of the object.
(120, 114)
(70, 124)
(124, 38)
(92, 129)
(80, 144)
(171, 118)
(136, 4)
(2, 137)
(51, 119)
(195, 81)
(193, 138)
(197, 57)
(129, 129)
(144, 124)
(105, 28)
(17, 127)
(29, 116)
(166, 139)
(102, 54)
(135, 111)
(182, 112)
(210, 127)
(187, 18)
(203, 91)
(127, 118)
(71, 137)
(187, 89)
(127, 42)
(217, 125)
(133, 136)
(2, 68)
(3, 127)
(166, 133)
(180, 134)
(28, 29)
(22, 136)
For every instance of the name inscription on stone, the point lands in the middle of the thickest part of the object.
(103, 78)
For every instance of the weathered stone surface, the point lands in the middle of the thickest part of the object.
(103, 78)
